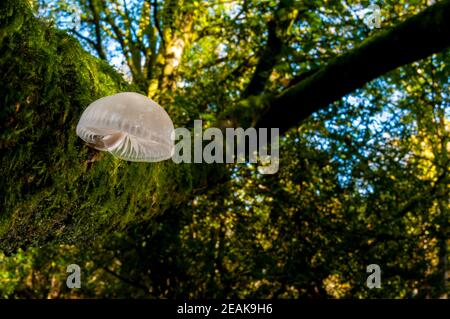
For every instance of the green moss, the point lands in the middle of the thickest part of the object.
(53, 187)
(246, 111)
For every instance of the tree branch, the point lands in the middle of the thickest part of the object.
(97, 28)
(157, 25)
(414, 39)
(266, 63)
(82, 37)
(126, 280)
(271, 52)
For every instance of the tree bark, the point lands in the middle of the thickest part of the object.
(270, 54)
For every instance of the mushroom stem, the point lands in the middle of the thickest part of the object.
(107, 142)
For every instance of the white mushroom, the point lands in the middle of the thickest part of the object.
(128, 125)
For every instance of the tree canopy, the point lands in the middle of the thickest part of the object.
(364, 164)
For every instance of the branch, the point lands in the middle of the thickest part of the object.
(82, 37)
(266, 63)
(238, 71)
(414, 39)
(127, 17)
(271, 53)
(157, 25)
(96, 21)
(126, 280)
(117, 33)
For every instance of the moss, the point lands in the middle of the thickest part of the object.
(53, 187)
(245, 113)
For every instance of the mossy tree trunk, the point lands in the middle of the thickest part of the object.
(53, 187)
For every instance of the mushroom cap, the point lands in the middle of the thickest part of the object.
(128, 125)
